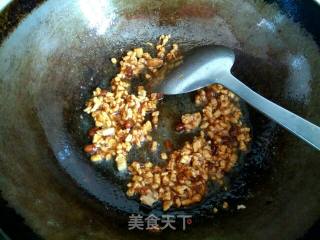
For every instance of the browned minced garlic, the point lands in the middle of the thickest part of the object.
(114, 60)
(183, 180)
(241, 206)
(120, 122)
(120, 116)
(154, 146)
(225, 205)
(191, 121)
(164, 156)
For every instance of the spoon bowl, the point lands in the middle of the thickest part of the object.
(200, 68)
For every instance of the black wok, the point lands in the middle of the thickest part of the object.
(60, 52)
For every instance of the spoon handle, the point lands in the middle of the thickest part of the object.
(302, 128)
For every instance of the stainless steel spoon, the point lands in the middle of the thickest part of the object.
(208, 65)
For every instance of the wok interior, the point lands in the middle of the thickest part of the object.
(53, 61)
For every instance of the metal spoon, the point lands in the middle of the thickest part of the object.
(208, 65)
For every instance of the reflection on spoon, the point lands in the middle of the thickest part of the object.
(212, 64)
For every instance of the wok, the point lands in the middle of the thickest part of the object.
(58, 53)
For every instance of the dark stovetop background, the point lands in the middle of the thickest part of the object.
(307, 12)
